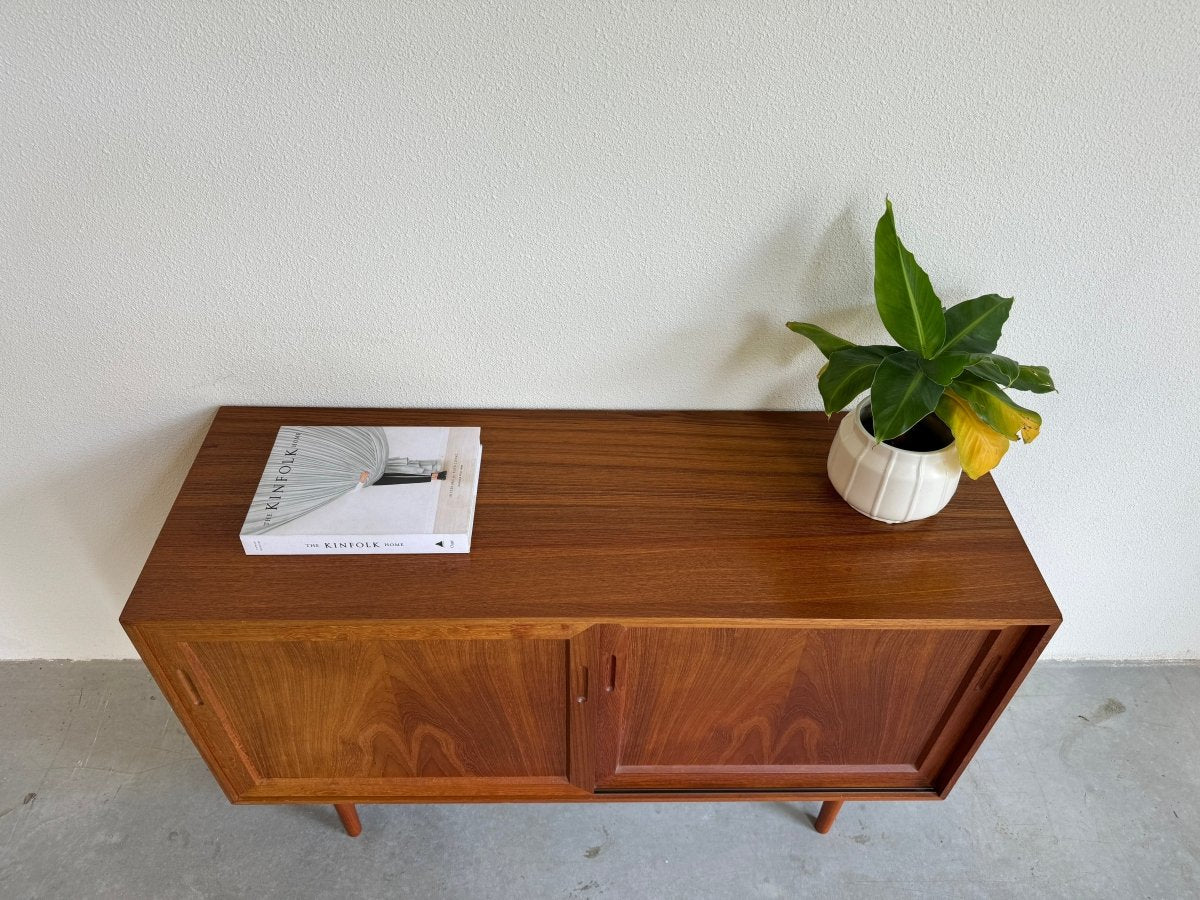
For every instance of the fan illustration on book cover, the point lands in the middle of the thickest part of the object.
(315, 466)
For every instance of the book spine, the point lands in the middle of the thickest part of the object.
(303, 545)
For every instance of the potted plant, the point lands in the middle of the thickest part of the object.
(937, 403)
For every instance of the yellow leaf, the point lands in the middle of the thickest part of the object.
(980, 447)
(1016, 420)
(1030, 430)
(998, 410)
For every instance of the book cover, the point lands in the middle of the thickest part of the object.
(365, 489)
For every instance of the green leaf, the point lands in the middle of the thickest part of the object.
(910, 310)
(993, 367)
(975, 325)
(827, 343)
(945, 367)
(901, 395)
(850, 372)
(1034, 378)
(995, 407)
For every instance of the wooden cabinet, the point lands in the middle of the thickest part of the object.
(658, 632)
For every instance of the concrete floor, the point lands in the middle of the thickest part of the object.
(1089, 786)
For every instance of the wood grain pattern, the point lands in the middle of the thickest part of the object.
(604, 516)
(400, 710)
(785, 708)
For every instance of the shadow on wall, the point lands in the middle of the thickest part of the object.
(738, 340)
(107, 508)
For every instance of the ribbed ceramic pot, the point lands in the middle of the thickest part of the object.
(884, 482)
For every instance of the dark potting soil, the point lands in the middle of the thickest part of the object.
(926, 436)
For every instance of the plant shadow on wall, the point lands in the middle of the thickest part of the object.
(105, 509)
(732, 368)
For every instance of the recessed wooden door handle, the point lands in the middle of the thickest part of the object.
(189, 688)
(581, 694)
(610, 683)
(989, 672)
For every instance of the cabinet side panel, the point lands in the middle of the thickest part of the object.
(1019, 652)
(168, 662)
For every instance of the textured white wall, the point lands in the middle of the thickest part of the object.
(585, 205)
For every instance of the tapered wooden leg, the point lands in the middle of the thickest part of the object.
(829, 811)
(349, 816)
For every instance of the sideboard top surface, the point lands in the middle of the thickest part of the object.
(591, 516)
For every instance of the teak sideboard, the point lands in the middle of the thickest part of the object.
(656, 606)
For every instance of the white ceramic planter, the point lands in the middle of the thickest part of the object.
(884, 482)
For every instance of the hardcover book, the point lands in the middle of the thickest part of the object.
(351, 489)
